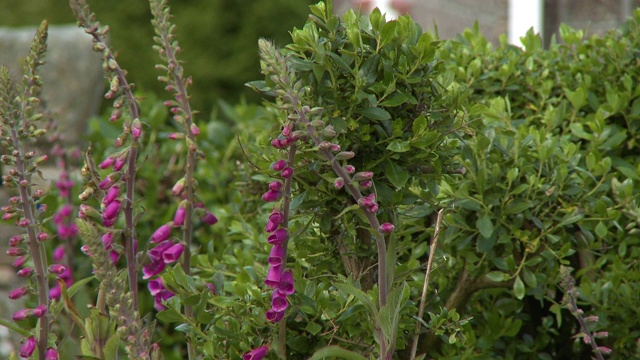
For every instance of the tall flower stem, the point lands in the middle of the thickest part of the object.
(286, 205)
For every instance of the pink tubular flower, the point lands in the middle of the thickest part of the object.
(286, 286)
(152, 269)
(386, 228)
(274, 316)
(161, 234)
(107, 240)
(271, 196)
(28, 347)
(208, 218)
(278, 237)
(256, 354)
(172, 254)
(271, 227)
(273, 277)
(19, 261)
(160, 297)
(287, 173)
(111, 195)
(51, 354)
(106, 183)
(39, 311)
(120, 162)
(58, 253)
(155, 286)
(178, 218)
(276, 255)
(279, 165)
(22, 314)
(276, 217)
(18, 293)
(112, 210)
(279, 301)
(155, 254)
(26, 272)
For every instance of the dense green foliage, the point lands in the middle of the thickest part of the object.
(217, 37)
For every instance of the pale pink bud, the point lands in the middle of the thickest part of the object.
(373, 208)
(386, 228)
(178, 187)
(57, 269)
(604, 350)
(25, 272)
(366, 184)
(136, 130)
(338, 183)
(286, 130)
(43, 236)
(362, 175)
(195, 131)
(176, 136)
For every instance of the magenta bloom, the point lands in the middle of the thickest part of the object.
(271, 196)
(112, 210)
(279, 301)
(22, 314)
(107, 240)
(173, 253)
(155, 254)
(106, 163)
(155, 286)
(25, 272)
(57, 269)
(271, 227)
(279, 165)
(285, 286)
(278, 237)
(178, 218)
(51, 354)
(161, 234)
(208, 218)
(286, 173)
(19, 261)
(58, 254)
(256, 354)
(39, 311)
(276, 217)
(276, 255)
(160, 297)
(275, 186)
(120, 162)
(18, 293)
(106, 183)
(274, 316)
(273, 277)
(28, 347)
(152, 269)
(112, 194)
(386, 228)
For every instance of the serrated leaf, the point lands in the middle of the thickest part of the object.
(518, 288)
(389, 316)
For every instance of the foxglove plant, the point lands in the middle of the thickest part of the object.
(19, 116)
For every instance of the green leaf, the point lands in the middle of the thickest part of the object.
(375, 113)
(498, 276)
(518, 288)
(334, 351)
(396, 174)
(389, 316)
(601, 230)
(313, 328)
(169, 315)
(363, 297)
(419, 125)
(484, 225)
(399, 146)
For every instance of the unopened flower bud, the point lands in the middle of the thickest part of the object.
(338, 183)
(51, 354)
(57, 269)
(208, 218)
(362, 175)
(386, 228)
(328, 132)
(279, 165)
(195, 131)
(178, 187)
(180, 215)
(16, 240)
(16, 251)
(136, 129)
(176, 136)
(161, 234)
(28, 347)
(19, 292)
(25, 272)
(275, 186)
(22, 314)
(345, 155)
(287, 173)
(271, 196)
(39, 311)
(43, 236)
(366, 184)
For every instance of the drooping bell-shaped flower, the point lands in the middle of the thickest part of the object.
(274, 316)
(286, 285)
(278, 237)
(51, 354)
(273, 276)
(208, 218)
(152, 269)
(173, 253)
(276, 256)
(155, 286)
(279, 301)
(161, 234)
(155, 254)
(28, 347)
(271, 196)
(256, 354)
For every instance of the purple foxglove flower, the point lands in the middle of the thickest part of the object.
(18, 293)
(155, 254)
(114, 256)
(338, 183)
(276, 143)
(271, 196)
(109, 222)
(287, 173)
(112, 210)
(279, 165)
(57, 269)
(51, 354)
(160, 297)
(63, 213)
(155, 286)
(39, 311)
(106, 183)
(22, 314)
(106, 163)
(172, 254)
(19, 261)
(273, 276)
(212, 288)
(271, 226)
(161, 234)
(58, 254)
(120, 162)
(362, 175)
(28, 347)
(279, 301)
(256, 354)
(54, 293)
(208, 218)
(278, 237)
(178, 218)
(16, 240)
(26, 272)
(286, 283)
(276, 255)
(386, 228)
(107, 240)
(276, 217)
(16, 251)
(111, 195)
(275, 186)
(274, 316)
(152, 269)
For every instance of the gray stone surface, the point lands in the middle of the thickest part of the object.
(72, 74)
